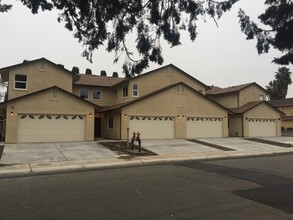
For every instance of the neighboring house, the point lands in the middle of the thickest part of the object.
(286, 106)
(47, 103)
(253, 116)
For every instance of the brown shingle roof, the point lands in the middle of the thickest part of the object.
(94, 80)
(251, 105)
(245, 107)
(281, 102)
(218, 91)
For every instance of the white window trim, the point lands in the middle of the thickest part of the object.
(26, 83)
(135, 90)
(100, 93)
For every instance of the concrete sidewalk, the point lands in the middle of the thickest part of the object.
(52, 157)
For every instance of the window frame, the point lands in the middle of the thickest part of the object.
(93, 93)
(123, 96)
(22, 82)
(135, 90)
(85, 88)
(110, 123)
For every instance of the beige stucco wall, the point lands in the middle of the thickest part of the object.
(38, 79)
(229, 100)
(235, 126)
(250, 94)
(262, 111)
(170, 103)
(43, 104)
(156, 80)
(106, 132)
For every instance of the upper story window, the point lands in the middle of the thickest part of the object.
(261, 98)
(42, 65)
(20, 81)
(97, 93)
(124, 91)
(135, 90)
(83, 93)
(180, 89)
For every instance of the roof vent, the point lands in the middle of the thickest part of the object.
(25, 61)
(115, 74)
(103, 73)
(88, 71)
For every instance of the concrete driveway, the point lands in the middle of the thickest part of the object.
(165, 148)
(53, 152)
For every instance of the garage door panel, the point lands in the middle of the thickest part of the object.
(152, 127)
(204, 127)
(262, 127)
(48, 128)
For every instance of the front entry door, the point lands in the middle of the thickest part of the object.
(97, 127)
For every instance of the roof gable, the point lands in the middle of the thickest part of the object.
(251, 105)
(162, 90)
(5, 70)
(214, 90)
(53, 87)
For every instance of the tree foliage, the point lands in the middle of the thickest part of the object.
(278, 88)
(103, 22)
(4, 7)
(110, 23)
(278, 17)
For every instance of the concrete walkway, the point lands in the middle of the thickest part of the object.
(50, 157)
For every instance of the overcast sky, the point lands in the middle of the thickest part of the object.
(219, 56)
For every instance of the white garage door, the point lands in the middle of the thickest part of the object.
(262, 127)
(50, 128)
(204, 127)
(152, 127)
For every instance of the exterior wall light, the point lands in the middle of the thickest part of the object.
(11, 113)
(226, 117)
(183, 116)
(178, 116)
(90, 114)
(125, 115)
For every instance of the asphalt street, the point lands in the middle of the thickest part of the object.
(250, 188)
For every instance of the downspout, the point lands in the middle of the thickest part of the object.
(242, 125)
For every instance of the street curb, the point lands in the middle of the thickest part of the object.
(26, 170)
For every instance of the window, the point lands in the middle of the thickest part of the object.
(20, 81)
(42, 65)
(135, 90)
(110, 123)
(115, 94)
(84, 93)
(54, 94)
(97, 93)
(261, 98)
(124, 91)
(180, 89)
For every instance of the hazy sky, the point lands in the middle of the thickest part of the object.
(219, 56)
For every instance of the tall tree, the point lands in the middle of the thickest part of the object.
(103, 22)
(278, 88)
(278, 17)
